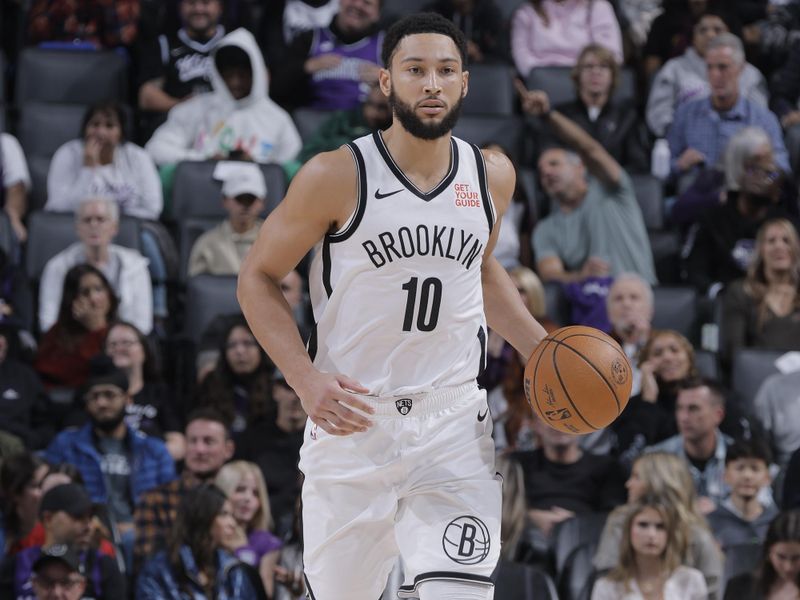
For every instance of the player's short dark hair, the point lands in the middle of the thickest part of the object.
(427, 22)
(209, 413)
(754, 448)
(718, 393)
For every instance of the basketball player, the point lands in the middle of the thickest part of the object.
(398, 456)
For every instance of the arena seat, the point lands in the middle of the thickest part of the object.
(197, 194)
(483, 129)
(70, 76)
(751, 366)
(308, 121)
(650, 195)
(578, 531)
(557, 82)
(740, 559)
(707, 364)
(517, 581)
(676, 308)
(54, 231)
(43, 128)
(206, 297)
(491, 91)
(574, 582)
(666, 248)
(558, 307)
(38, 166)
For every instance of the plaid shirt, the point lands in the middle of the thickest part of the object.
(155, 514)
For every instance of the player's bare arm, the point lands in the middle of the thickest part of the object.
(598, 161)
(320, 199)
(505, 312)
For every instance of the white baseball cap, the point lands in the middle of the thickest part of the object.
(244, 178)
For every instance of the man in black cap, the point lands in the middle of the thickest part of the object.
(106, 450)
(57, 574)
(66, 514)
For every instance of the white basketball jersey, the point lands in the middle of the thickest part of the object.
(396, 292)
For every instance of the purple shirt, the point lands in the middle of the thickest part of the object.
(259, 544)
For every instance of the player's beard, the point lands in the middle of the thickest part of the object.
(419, 128)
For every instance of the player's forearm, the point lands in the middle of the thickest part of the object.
(271, 321)
(505, 312)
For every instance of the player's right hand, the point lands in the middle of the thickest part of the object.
(327, 400)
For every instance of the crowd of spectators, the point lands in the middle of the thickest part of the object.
(144, 454)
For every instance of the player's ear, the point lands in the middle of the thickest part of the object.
(464, 83)
(385, 81)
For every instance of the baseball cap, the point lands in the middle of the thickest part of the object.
(61, 553)
(103, 371)
(245, 178)
(68, 497)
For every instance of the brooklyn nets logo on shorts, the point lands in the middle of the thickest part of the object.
(403, 405)
(466, 540)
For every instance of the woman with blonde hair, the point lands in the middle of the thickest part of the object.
(504, 369)
(243, 484)
(666, 477)
(650, 557)
(763, 309)
(666, 359)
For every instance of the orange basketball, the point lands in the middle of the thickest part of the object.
(578, 379)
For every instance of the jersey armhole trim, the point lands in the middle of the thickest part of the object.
(361, 198)
(483, 181)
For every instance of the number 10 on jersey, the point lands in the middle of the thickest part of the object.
(427, 308)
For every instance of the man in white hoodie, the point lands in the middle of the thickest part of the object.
(236, 120)
(97, 221)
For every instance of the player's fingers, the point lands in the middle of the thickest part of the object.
(341, 423)
(327, 426)
(351, 384)
(341, 407)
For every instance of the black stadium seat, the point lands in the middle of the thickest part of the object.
(740, 559)
(751, 366)
(575, 532)
(197, 194)
(491, 91)
(53, 232)
(308, 121)
(480, 130)
(70, 76)
(43, 128)
(206, 297)
(517, 581)
(676, 308)
(650, 195)
(557, 82)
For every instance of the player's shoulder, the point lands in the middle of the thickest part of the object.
(502, 177)
(326, 184)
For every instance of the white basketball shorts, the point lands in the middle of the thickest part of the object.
(420, 483)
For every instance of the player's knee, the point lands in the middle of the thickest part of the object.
(454, 590)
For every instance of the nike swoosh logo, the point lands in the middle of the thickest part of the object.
(482, 417)
(378, 194)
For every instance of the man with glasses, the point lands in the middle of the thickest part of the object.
(97, 224)
(685, 77)
(57, 575)
(118, 464)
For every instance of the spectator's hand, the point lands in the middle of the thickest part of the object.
(91, 152)
(690, 158)
(546, 520)
(534, 102)
(19, 228)
(368, 72)
(790, 118)
(87, 314)
(293, 581)
(705, 505)
(5, 308)
(649, 383)
(595, 267)
(474, 52)
(327, 400)
(322, 62)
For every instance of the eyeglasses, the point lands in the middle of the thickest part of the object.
(69, 584)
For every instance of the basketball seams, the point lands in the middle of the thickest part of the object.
(564, 387)
(561, 343)
(540, 350)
